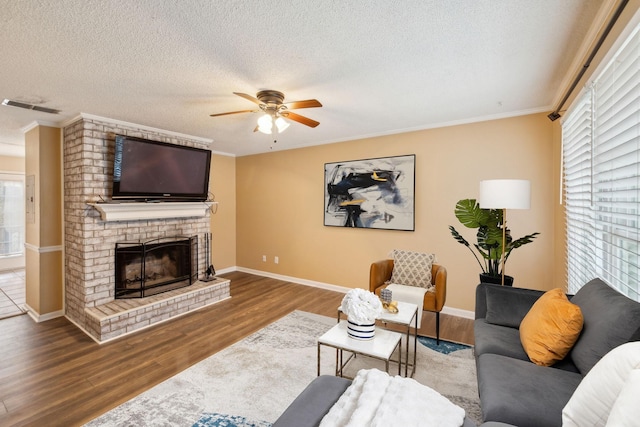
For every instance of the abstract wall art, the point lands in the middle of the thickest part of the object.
(371, 193)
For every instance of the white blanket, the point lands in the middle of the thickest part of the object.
(411, 294)
(375, 399)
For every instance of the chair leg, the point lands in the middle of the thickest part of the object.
(437, 328)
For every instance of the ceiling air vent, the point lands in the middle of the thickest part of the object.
(11, 103)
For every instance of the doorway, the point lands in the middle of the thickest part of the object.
(12, 230)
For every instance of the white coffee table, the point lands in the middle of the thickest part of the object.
(407, 315)
(382, 346)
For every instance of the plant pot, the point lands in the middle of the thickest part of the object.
(361, 332)
(496, 280)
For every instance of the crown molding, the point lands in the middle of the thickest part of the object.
(87, 116)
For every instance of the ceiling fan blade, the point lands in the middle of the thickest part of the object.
(248, 97)
(308, 103)
(300, 119)
(233, 112)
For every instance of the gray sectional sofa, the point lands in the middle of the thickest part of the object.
(514, 390)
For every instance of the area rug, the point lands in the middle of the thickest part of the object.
(250, 383)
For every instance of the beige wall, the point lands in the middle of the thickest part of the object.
(280, 205)
(11, 164)
(223, 221)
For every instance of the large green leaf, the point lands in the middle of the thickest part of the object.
(458, 236)
(489, 223)
(469, 213)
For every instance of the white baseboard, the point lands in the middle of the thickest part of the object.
(446, 310)
(297, 280)
(458, 312)
(37, 317)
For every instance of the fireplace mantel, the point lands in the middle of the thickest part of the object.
(131, 211)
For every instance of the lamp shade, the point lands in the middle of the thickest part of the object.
(265, 123)
(505, 194)
(281, 124)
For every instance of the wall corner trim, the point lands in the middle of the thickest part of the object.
(43, 249)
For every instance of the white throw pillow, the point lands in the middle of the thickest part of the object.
(596, 394)
(412, 268)
(626, 410)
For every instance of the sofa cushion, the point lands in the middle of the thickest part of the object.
(610, 319)
(626, 411)
(551, 328)
(521, 393)
(506, 307)
(497, 339)
(412, 268)
(594, 398)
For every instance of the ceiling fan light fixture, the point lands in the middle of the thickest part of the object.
(265, 124)
(281, 124)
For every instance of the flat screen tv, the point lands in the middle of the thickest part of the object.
(146, 170)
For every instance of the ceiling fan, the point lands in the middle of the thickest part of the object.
(271, 102)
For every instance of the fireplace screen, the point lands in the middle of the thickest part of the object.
(161, 265)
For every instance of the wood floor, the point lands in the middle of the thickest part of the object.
(52, 374)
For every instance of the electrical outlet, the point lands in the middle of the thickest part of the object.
(276, 260)
(264, 258)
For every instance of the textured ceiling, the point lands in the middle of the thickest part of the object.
(377, 66)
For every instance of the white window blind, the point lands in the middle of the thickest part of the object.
(601, 152)
(577, 141)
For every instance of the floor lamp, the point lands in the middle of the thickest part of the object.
(505, 194)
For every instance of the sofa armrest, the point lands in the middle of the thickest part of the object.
(504, 305)
(308, 409)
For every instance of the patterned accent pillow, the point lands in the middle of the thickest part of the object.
(412, 268)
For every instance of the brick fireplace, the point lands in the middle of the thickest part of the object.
(90, 241)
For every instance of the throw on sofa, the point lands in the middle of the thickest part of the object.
(516, 391)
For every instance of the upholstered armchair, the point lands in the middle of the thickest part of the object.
(380, 274)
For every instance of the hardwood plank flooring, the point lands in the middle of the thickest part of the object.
(52, 374)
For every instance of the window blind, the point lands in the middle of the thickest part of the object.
(601, 155)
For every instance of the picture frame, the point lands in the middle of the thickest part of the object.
(377, 193)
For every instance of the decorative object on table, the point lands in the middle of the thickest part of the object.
(391, 307)
(494, 241)
(386, 295)
(387, 303)
(362, 309)
(372, 193)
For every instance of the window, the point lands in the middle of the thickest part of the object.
(601, 160)
(11, 215)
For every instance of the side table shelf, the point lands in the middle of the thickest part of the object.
(407, 316)
(382, 346)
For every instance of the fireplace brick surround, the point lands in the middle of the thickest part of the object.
(90, 242)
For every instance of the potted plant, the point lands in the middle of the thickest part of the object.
(488, 249)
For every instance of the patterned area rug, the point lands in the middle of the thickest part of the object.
(250, 383)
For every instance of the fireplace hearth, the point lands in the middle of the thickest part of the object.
(160, 265)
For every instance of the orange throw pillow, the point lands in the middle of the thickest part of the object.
(550, 328)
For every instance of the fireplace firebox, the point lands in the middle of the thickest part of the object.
(156, 266)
